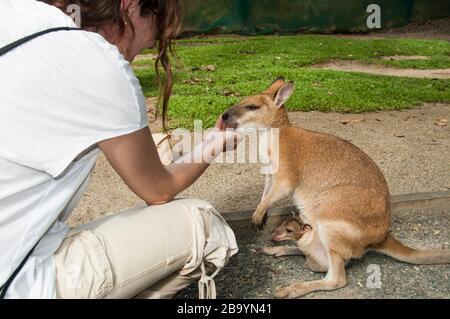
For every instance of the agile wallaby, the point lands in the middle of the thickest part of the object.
(340, 192)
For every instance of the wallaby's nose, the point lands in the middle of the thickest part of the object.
(225, 116)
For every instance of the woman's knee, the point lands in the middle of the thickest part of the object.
(211, 230)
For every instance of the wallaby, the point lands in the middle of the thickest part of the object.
(340, 192)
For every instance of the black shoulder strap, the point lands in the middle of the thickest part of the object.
(3, 51)
(19, 42)
(8, 282)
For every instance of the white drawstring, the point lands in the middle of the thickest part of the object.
(206, 285)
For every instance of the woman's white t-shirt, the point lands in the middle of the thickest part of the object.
(60, 94)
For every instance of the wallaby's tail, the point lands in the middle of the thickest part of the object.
(395, 249)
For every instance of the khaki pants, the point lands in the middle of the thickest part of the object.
(147, 252)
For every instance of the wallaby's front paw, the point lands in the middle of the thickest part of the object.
(259, 221)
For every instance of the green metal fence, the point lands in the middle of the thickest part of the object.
(288, 16)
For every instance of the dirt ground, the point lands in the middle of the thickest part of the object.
(412, 151)
(434, 29)
(359, 67)
(438, 29)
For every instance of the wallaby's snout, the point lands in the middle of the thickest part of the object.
(262, 110)
(225, 116)
(228, 120)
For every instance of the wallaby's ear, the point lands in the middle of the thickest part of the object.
(283, 94)
(275, 86)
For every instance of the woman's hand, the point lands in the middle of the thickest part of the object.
(222, 141)
(228, 138)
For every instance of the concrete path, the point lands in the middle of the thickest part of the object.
(362, 67)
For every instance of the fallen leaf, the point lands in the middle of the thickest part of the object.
(246, 51)
(352, 121)
(210, 68)
(192, 82)
(441, 122)
(229, 93)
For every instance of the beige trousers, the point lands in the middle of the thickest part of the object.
(145, 252)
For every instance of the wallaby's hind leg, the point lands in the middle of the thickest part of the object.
(315, 266)
(334, 279)
(281, 251)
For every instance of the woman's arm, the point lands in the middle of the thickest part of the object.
(135, 158)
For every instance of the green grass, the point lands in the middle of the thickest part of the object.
(248, 65)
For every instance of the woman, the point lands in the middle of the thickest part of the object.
(66, 96)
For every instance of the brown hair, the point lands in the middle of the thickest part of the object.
(99, 13)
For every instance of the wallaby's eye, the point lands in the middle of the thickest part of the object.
(252, 107)
(289, 231)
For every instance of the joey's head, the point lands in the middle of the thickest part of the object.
(291, 229)
(265, 109)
